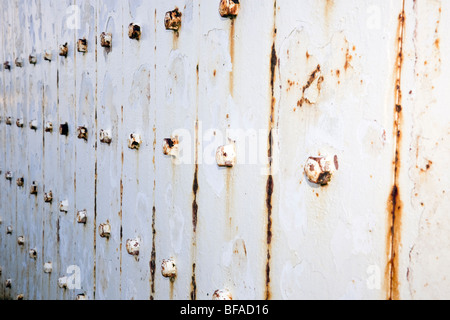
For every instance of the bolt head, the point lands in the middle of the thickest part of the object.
(32, 253)
(20, 240)
(19, 123)
(82, 133)
(64, 206)
(172, 20)
(48, 55)
(48, 126)
(105, 136)
(8, 175)
(19, 296)
(222, 294)
(132, 246)
(82, 45)
(82, 216)
(170, 146)
(64, 129)
(8, 283)
(226, 155)
(229, 8)
(48, 197)
(168, 268)
(18, 62)
(62, 282)
(9, 229)
(8, 121)
(63, 50)
(33, 124)
(20, 182)
(104, 229)
(48, 267)
(134, 31)
(106, 39)
(134, 141)
(319, 170)
(81, 296)
(32, 59)
(33, 188)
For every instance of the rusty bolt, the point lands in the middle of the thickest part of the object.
(48, 267)
(81, 296)
(8, 121)
(168, 268)
(18, 62)
(170, 146)
(8, 283)
(64, 129)
(32, 253)
(226, 155)
(48, 126)
(229, 8)
(34, 188)
(48, 55)
(222, 294)
(32, 59)
(319, 170)
(104, 229)
(133, 246)
(134, 141)
(63, 50)
(19, 296)
(20, 240)
(82, 216)
(106, 39)
(48, 197)
(172, 20)
(134, 31)
(62, 282)
(6, 65)
(33, 124)
(64, 206)
(19, 123)
(9, 229)
(82, 45)
(82, 133)
(8, 175)
(105, 136)
(20, 181)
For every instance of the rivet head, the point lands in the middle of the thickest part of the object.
(106, 39)
(8, 283)
(48, 126)
(82, 45)
(229, 8)
(34, 188)
(64, 206)
(48, 55)
(172, 20)
(33, 124)
(9, 229)
(82, 216)
(32, 59)
(62, 282)
(104, 229)
(222, 294)
(20, 181)
(134, 141)
(48, 197)
(82, 133)
(81, 296)
(8, 121)
(19, 123)
(320, 169)
(32, 253)
(105, 136)
(226, 155)
(63, 50)
(20, 240)
(134, 31)
(48, 267)
(132, 246)
(64, 129)
(6, 65)
(168, 268)
(18, 62)
(19, 296)
(170, 146)
(8, 175)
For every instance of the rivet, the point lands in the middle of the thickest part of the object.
(82, 133)
(20, 181)
(18, 62)
(226, 155)
(132, 246)
(62, 282)
(170, 146)
(48, 126)
(64, 206)
(168, 268)
(8, 121)
(48, 55)
(319, 169)
(134, 141)
(106, 39)
(34, 188)
(104, 229)
(172, 20)
(222, 294)
(9, 229)
(134, 31)
(8, 283)
(63, 50)
(48, 197)
(8, 175)
(64, 129)
(81, 296)
(82, 45)
(105, 136)
(20, 240)
(19, 296)
(33, 124)
(19, 123)
(48, 267)
(32, 253)
(82, 216)
(6, 65)
(32, 59)
(229, 8)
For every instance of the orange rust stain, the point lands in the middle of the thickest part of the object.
(348, 59)
(394, 205)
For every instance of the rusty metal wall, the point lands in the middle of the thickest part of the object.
(362, 83)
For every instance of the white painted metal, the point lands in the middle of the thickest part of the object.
(283, 81)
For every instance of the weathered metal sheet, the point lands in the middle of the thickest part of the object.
(149, 98)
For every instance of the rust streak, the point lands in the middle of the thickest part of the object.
(153, 256)
(394, 202)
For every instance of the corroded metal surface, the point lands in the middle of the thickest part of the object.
(276, 149)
